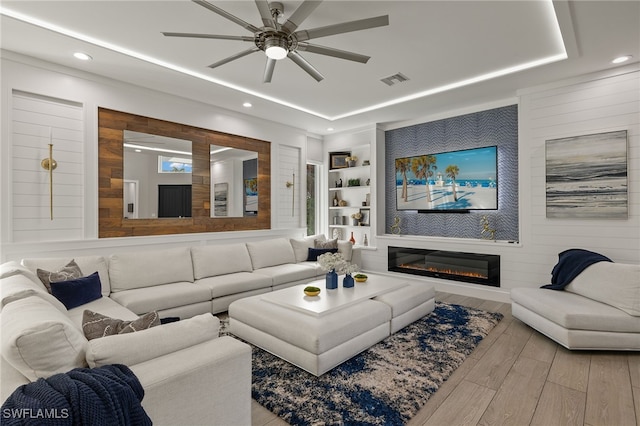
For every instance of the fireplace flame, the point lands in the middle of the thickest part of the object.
(444, 271)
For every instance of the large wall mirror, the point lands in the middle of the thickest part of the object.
(158, 177)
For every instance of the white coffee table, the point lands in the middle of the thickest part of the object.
(332, 300)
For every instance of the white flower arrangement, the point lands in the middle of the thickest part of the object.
(335, 262)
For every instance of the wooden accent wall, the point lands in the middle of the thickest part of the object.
(111, 126)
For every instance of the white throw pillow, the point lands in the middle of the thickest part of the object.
(616, 284)
(134, 348)
(38, 340)
(301, 246)
(210, 261)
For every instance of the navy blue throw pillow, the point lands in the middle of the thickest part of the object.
(314, 253)
(74, 293)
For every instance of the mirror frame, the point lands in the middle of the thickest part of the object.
(111, 126)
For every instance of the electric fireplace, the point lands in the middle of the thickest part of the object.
(474, 268)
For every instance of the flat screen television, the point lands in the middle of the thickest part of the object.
(454, 181)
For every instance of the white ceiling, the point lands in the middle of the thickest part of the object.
(439, 45)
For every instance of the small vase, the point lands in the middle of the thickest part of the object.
(332, 280)
(347, 282)
(355, 222)
(352, 240)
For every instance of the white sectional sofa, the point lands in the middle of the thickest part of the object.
(190, 375)
(599, 309)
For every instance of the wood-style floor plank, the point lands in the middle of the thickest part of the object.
(559, 406)
(452, 413)
(609, 394)
(571, 369)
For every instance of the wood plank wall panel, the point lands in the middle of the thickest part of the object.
(37, 121)
(111, 125)
(587, 107)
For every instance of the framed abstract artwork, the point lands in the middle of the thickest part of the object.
(586, 176)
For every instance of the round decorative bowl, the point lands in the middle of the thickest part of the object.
(360, 278)
(311, 291)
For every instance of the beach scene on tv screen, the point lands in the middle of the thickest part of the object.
(456, 180)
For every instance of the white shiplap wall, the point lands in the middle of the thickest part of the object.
(36, 122)
(289, 214)
(603, 103)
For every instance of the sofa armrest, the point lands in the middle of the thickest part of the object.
(209, 383)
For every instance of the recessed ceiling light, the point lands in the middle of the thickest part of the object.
(330, 129)
(621, 59)
(247, 105)
(137, 150)
(82, 56)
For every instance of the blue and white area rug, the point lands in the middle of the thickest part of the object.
(385, 385)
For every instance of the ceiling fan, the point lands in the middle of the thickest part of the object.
(279, 41)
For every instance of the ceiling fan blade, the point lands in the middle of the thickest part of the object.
(234, 57)
(301, 13)
(302, 63)
(265, 13)
(345, 27)
(268, 70)
(227, 15)
(214, 36)
(336, 53)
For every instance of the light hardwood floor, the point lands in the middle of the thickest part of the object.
(516, 376)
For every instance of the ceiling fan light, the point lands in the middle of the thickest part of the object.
(276, 48)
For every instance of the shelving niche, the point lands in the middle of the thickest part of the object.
(344, 190)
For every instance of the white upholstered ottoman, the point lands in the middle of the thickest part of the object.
(408, 304)
(315, 344)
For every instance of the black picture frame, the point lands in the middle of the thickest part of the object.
(338, 160)
(366, 218)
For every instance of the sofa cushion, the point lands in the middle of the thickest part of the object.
(134, 348)
(96, 325)
(277, 251)
(38, 340)
(16, 287)
(289, 273)
(70, 271)
(346, 249)
(150, 268)
(165, 296)
(88, 265)
(104, 305)
(301, 246)
(575, 312)
(224, 285)
(209, 261)
(616, 284)
(11, 268)
(74, 293)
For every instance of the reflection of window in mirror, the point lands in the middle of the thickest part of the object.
(157, 175)
(234, 182)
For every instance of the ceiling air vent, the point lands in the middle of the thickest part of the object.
(393, 79)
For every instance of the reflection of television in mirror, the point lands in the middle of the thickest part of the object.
(454, 181)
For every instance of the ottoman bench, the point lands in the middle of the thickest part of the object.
(315, 344)
(408, 304)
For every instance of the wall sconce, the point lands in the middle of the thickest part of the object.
(293, 198)
(50, 165)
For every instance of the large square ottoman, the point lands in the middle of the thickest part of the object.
(408, 304)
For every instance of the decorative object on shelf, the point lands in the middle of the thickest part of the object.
(311, 291)
(337, 220)
(351, 161)
(395, 228)
(365, 242)
(353, 182)
(360, 278)
(352, 240)
(343, 203)
(335, 200)
(50, 165)
(339, 183)
(357, 217)
(337, 233)
(364, 217)
(487, 232)
(368, 183)
(365, 163)
(338, 160)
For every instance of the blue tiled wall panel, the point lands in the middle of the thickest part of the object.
(486, 128)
